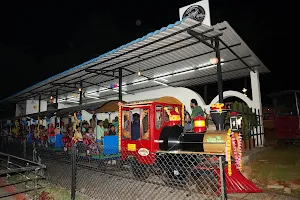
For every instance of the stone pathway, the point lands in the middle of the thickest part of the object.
(261, 196)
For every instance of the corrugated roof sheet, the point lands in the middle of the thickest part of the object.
(170, 55)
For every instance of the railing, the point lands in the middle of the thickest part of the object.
(20, 174)
(164, 175)
(253, 134)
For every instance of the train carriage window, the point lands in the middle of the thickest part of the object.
(145, 124)
(158, 117)
(126, 124)
(166, 116)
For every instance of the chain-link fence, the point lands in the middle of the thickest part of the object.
(164, 175)
(112, 175)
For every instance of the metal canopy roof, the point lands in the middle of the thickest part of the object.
(171, 56)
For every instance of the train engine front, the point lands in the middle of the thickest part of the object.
(174, 137)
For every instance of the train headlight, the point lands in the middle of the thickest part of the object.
(235, 122)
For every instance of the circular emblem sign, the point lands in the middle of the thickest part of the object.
(195, 12)
(143, 152)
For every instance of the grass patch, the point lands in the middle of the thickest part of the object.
(280, 165)
(55, 192)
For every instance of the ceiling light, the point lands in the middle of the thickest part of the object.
(184, 72)
(118, 91)
(139, 73)
(214, 61)
(136, 83)
(160, 83)
(104, 90)
(92, 97)
(72, 101)
(201, 68)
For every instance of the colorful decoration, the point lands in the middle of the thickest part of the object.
(9, 123)
(120, 124)
(217, 106)
(76, 121)
(228, 151)
(48, 120)
(113, 85)
(182, 114)
(237, 149)
(79, 117)
(174, 116)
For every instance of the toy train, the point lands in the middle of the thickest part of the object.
(152, 133)
(162, 130)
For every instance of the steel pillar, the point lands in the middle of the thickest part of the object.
(219, 71)
(120, 83)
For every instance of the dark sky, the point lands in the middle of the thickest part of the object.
(40, 39)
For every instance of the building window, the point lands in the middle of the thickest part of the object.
(158, 117)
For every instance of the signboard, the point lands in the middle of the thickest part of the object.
(198, 11)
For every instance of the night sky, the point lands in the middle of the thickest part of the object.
(40, 39)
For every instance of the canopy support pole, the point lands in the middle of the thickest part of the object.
(40, 99)
(56, 101)
(120, 83)
(80, 93)
(56, 96)
(205, 94)
(219, 71)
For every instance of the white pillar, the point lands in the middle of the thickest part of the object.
(256, 97)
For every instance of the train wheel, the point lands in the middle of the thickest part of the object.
(140, 171)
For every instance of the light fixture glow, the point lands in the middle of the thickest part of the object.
(139, 73)
(160, 83)
(141, 82)
(118, 91)
(104, 90)
(184, 72)
(201, 68)
(214, 61)
(72, 101)
(183, 69)
(79, 89)
(92, 97)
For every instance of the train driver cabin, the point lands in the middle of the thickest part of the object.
(142, 123)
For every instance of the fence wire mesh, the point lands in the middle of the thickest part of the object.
(125, 175)
(164, 175)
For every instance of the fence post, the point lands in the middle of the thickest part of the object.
(260, 127)
(36, 173)
(24, 149)
(34, 158)
(73, 163)
(222, 178)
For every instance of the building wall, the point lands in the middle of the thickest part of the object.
(32, 106)
(182, 94)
